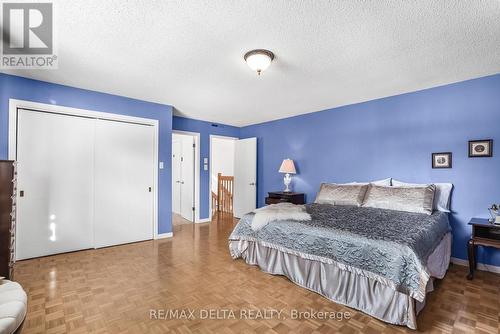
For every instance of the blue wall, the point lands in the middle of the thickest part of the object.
(390, 137)
(205, 129)
(394, 137)
(44, 92)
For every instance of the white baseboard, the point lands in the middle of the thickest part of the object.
(165, 235)
(480, 266)
(204, 220)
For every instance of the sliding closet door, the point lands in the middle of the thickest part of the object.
(124, 174)
(55, 155)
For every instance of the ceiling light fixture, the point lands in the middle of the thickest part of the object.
(259, 60)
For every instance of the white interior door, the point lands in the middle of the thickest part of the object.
(176, 175)
(245, 176)
(124, 174)
(187, 178)
(55, 155)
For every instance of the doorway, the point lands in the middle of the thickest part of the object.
(222, 152)
(184, 158)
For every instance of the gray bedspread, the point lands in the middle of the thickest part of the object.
(389, 246)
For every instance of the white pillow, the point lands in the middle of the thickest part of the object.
(384, 182)
(441, 196)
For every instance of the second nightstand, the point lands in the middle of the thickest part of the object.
(484, 233)
(285, 197)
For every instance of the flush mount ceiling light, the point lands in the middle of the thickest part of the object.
(259, 60)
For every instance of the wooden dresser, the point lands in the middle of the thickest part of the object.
(7, 216)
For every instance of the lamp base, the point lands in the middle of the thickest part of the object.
(287, 180)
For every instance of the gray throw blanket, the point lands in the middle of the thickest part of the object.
(389, 246)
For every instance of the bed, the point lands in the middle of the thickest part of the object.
(379, 261)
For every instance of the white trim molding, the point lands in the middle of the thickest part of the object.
(164, 235)
(204, 220)
(480, 266)
(15, 104)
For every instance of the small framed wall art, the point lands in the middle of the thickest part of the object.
(441, 160)
(481, 148)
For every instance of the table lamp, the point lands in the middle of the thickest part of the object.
(288, 168)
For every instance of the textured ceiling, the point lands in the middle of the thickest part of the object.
(328, 53)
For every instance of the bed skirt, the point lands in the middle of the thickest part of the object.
(343, 287)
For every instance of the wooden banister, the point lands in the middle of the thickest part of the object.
(225, 188)
(215, 200)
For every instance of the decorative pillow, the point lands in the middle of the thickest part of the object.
(338, 194)
(384, 182)
(410, 199)
(441, 196)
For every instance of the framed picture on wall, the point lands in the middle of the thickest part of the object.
(441, 160)
(481, 148)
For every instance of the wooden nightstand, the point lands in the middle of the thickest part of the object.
(285, 197)
(484, 233)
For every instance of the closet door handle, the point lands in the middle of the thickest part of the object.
(182, 182)
(149, 189)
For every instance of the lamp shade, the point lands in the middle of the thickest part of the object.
(287, 166)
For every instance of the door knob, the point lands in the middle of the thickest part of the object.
(182, 182)
(252, 184)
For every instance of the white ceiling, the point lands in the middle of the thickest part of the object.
(189, 54)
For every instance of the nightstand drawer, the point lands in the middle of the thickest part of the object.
(285, 197)
(270, 200)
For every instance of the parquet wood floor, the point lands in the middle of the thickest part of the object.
(178, 220)
(113, 290)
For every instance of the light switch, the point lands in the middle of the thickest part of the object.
(205, 167)
(161, 165)
(205, 161)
